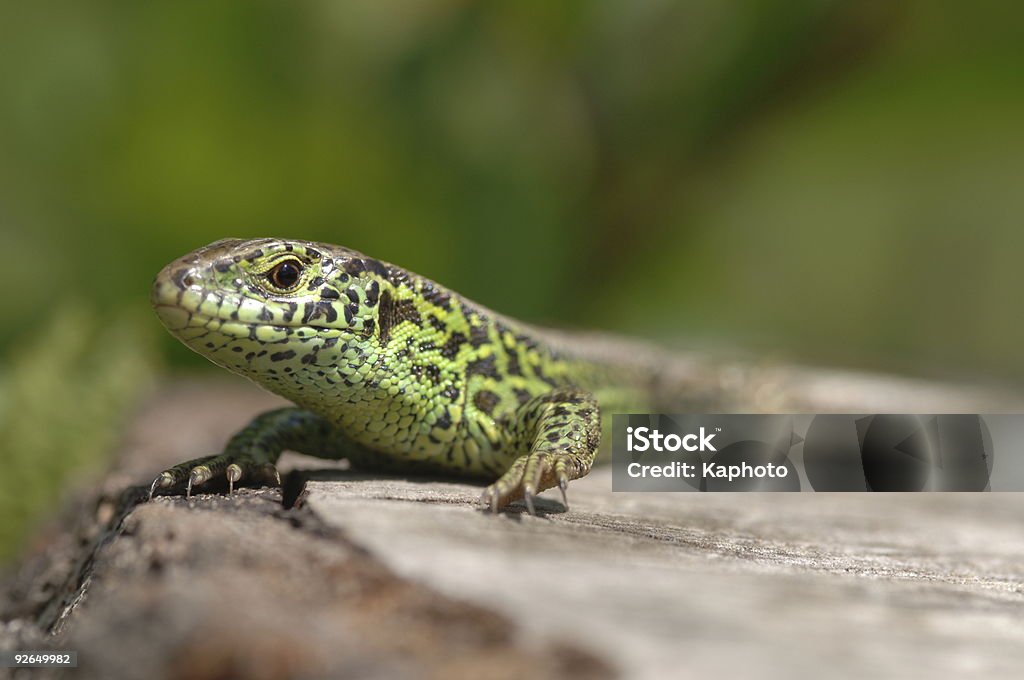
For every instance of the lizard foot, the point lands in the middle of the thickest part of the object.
(528, 476)
(561, 430)
(229, 468)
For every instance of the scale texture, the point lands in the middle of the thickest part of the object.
(393, 371)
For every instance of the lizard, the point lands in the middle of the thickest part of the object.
(393, 372)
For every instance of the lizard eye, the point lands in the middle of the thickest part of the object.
(285, 274)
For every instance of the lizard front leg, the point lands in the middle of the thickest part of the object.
(252, 453)
(559, 434)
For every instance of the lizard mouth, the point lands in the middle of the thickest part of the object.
(173, 317)
(180, 320)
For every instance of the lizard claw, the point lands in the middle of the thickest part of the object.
(528, 499)
(490, 499)
(233, 473)
(197, 476)
(162, 481)
(527, 477)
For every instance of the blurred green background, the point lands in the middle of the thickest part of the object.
(832, 182)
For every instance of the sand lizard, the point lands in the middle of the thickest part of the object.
(391, 371)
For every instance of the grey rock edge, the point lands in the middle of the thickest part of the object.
(385, 577)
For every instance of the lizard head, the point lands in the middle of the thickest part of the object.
(288, 314)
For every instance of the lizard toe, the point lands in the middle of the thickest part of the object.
(528, 499)
(215, 473)
(163, 481)
(233, 474)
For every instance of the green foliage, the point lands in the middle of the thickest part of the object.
(64, 397)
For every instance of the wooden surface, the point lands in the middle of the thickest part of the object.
(374, 577)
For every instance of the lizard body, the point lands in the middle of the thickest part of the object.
(392, 371)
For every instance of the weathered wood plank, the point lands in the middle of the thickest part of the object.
(391, 577)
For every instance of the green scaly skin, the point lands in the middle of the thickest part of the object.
(391, 371)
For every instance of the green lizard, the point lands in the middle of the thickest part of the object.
(391, 371)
